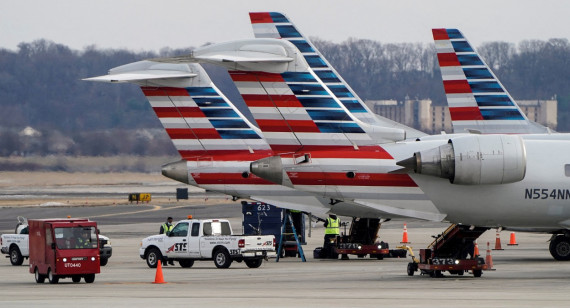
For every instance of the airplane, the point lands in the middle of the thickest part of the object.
(217, 143)
(491, 150)
(517, 182)
(179, 170)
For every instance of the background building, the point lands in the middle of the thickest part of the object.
(423, 115)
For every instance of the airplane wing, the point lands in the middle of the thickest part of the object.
(389, 211)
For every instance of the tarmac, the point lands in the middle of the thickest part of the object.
(524, 276)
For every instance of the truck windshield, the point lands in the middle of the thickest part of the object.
(76, 237)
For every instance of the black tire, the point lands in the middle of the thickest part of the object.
(186, 263)
(89, 278)
(253, 263)
(411, 269)
(16, 257)
(53, 279)
(39, 277)
(380, 257)
(477, 273)
(560, 248)
(222, 258)
(76, 278)
(152, 257)
(104, 261)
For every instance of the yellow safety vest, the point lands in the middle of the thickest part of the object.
(80, 243)
(166, 228)
(333, 226)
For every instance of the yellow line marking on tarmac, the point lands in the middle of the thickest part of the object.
(154, 208)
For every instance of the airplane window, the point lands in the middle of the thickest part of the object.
(567, 169)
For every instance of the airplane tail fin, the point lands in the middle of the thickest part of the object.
(477, 100)
(295, 109)
(278, 26)
(198, 118)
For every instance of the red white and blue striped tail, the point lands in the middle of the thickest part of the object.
(296, 110)
(277, 25)
(477, 100)
(198, 118)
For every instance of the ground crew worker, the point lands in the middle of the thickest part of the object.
(83, 241)
(332, 230)
(165, 228)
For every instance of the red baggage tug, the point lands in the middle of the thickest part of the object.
(64, 248)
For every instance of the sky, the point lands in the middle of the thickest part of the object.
(151, 25)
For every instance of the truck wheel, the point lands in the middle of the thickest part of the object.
(39, 277)
(53, 279)
(477, 273)
(222, 258)
(253, 263)
(186, 263)
(16, 257)
(560, 248)
(152, 257)
(76, 278)
(89, 278)
(103, 261)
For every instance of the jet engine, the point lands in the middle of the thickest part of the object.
(473, 160)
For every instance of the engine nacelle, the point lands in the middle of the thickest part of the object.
(474, 160)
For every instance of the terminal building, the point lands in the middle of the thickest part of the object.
(434, 119)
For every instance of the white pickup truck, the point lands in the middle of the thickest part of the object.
(207, 239)
(16, 245)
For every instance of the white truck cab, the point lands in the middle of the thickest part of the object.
(207, 239)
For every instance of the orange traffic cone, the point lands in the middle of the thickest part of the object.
(513, 241)
(405, 236)
(158, 278)
(498, 242)
(476, 251)
(488, 258)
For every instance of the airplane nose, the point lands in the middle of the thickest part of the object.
(177, 171)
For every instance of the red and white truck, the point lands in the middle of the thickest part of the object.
(64, 248)
(207, 239)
